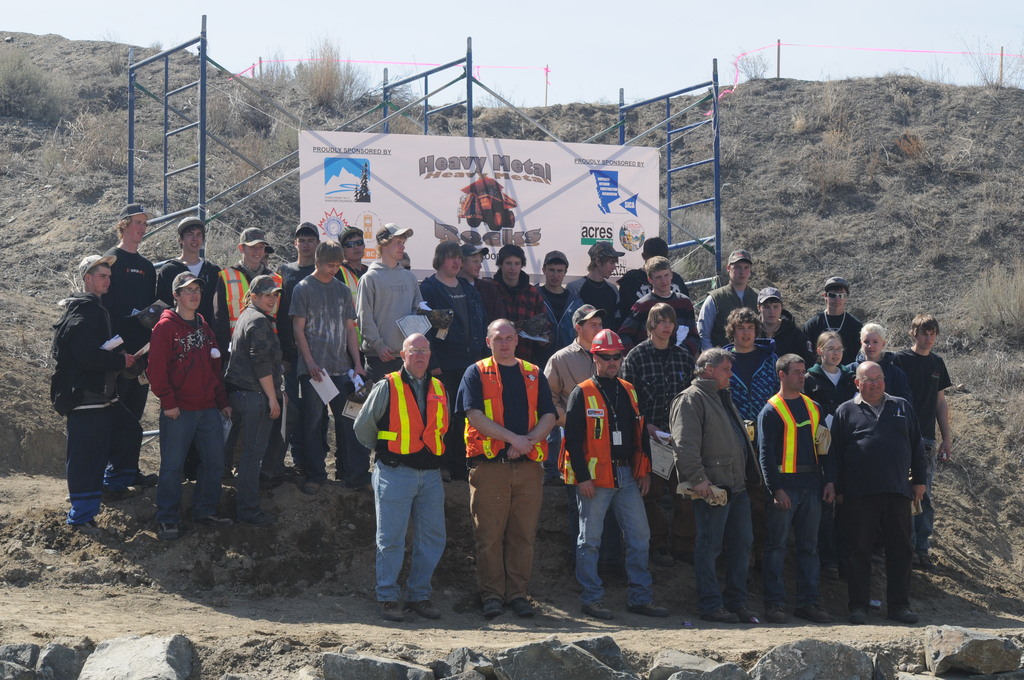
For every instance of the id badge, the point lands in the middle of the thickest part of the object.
(616, 438)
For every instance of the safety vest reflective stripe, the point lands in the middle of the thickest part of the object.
(407, 433)
(236, 289)
(494, 408)
(790, 429)
(597, 442)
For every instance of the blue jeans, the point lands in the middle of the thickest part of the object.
(176, 435)
(721, 528)
(96, 437)
(352, 459)
(629, 510)
(923, 524)
(401, 493)
(804, 514)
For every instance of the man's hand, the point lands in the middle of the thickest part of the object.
(275, 407)
(644, 484)
(316, 374)
(587, 488)
(385, 353)
(944, 451)
(519, 445)
(359, 369)
(436, 373)
(918, 491)
(782, 499)
(129, 360)
(829, 494)
(226, 412)
(704, 489)
(171, 413)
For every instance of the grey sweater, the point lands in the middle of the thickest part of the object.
(385, 296)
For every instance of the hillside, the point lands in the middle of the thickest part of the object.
(910, 189)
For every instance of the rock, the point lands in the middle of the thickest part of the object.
(669, 664)
(956, 648)
(468, 675)
(23, 654)
(552, 659)
(885, 669)
(15, 671)
(465, 660)
(60, 662)
(901, 675)
(1012, 675)
(811, 659)
(346, 666)
(134, 657)
(606, 650)
(723, 671)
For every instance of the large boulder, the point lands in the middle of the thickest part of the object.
(23, 654)
(15, 671)
(140, 658)
(606, 650)
(60, 662)
(723, 671)
(949, 648)
(347, 666)
(464, 660)
(669, 663)
(812, 659)
(552, 659)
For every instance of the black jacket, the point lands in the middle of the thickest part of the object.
(85, 374)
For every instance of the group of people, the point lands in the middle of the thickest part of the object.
(623, 394)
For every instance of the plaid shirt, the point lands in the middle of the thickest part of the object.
(519, 303)
(658, 376)
(634, 327)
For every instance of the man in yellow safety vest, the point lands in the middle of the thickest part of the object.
(796, 485)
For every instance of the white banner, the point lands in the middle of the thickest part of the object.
(542, 196)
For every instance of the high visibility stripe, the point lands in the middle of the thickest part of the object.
(494, 409)
(236, 290)
(790, 429)
(597, 444)
(407, 432)
(403, 416)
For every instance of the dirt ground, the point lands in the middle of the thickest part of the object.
(272, 600)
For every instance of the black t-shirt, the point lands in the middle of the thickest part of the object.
(926, 375)
(132, 289)
(603, 296)
(558, 301)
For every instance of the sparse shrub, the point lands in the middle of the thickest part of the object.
(799, 124)
(833, 165)
(753, 66)
(27, 91)
(329, 82)
(996, 303)
(911, 145)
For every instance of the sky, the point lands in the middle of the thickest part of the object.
(592, 49)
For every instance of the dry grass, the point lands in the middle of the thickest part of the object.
(27, 91)
(328, 81)
(996, 302)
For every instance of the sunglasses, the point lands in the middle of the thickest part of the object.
(352, 244)
(609, 357)
(836, 296)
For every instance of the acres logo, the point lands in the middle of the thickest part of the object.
(592, 232)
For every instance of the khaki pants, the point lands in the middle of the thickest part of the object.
(505, 500)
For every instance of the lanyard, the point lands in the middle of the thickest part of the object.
(609, 404)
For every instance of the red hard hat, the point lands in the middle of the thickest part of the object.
(606, 341)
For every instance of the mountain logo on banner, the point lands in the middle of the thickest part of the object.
(607, 185)
(347, 179)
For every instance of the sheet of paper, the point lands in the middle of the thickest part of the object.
(113, 343)
(325, 388)
(663, 459)
(352, 409)
(524, 334)
(414, 323)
